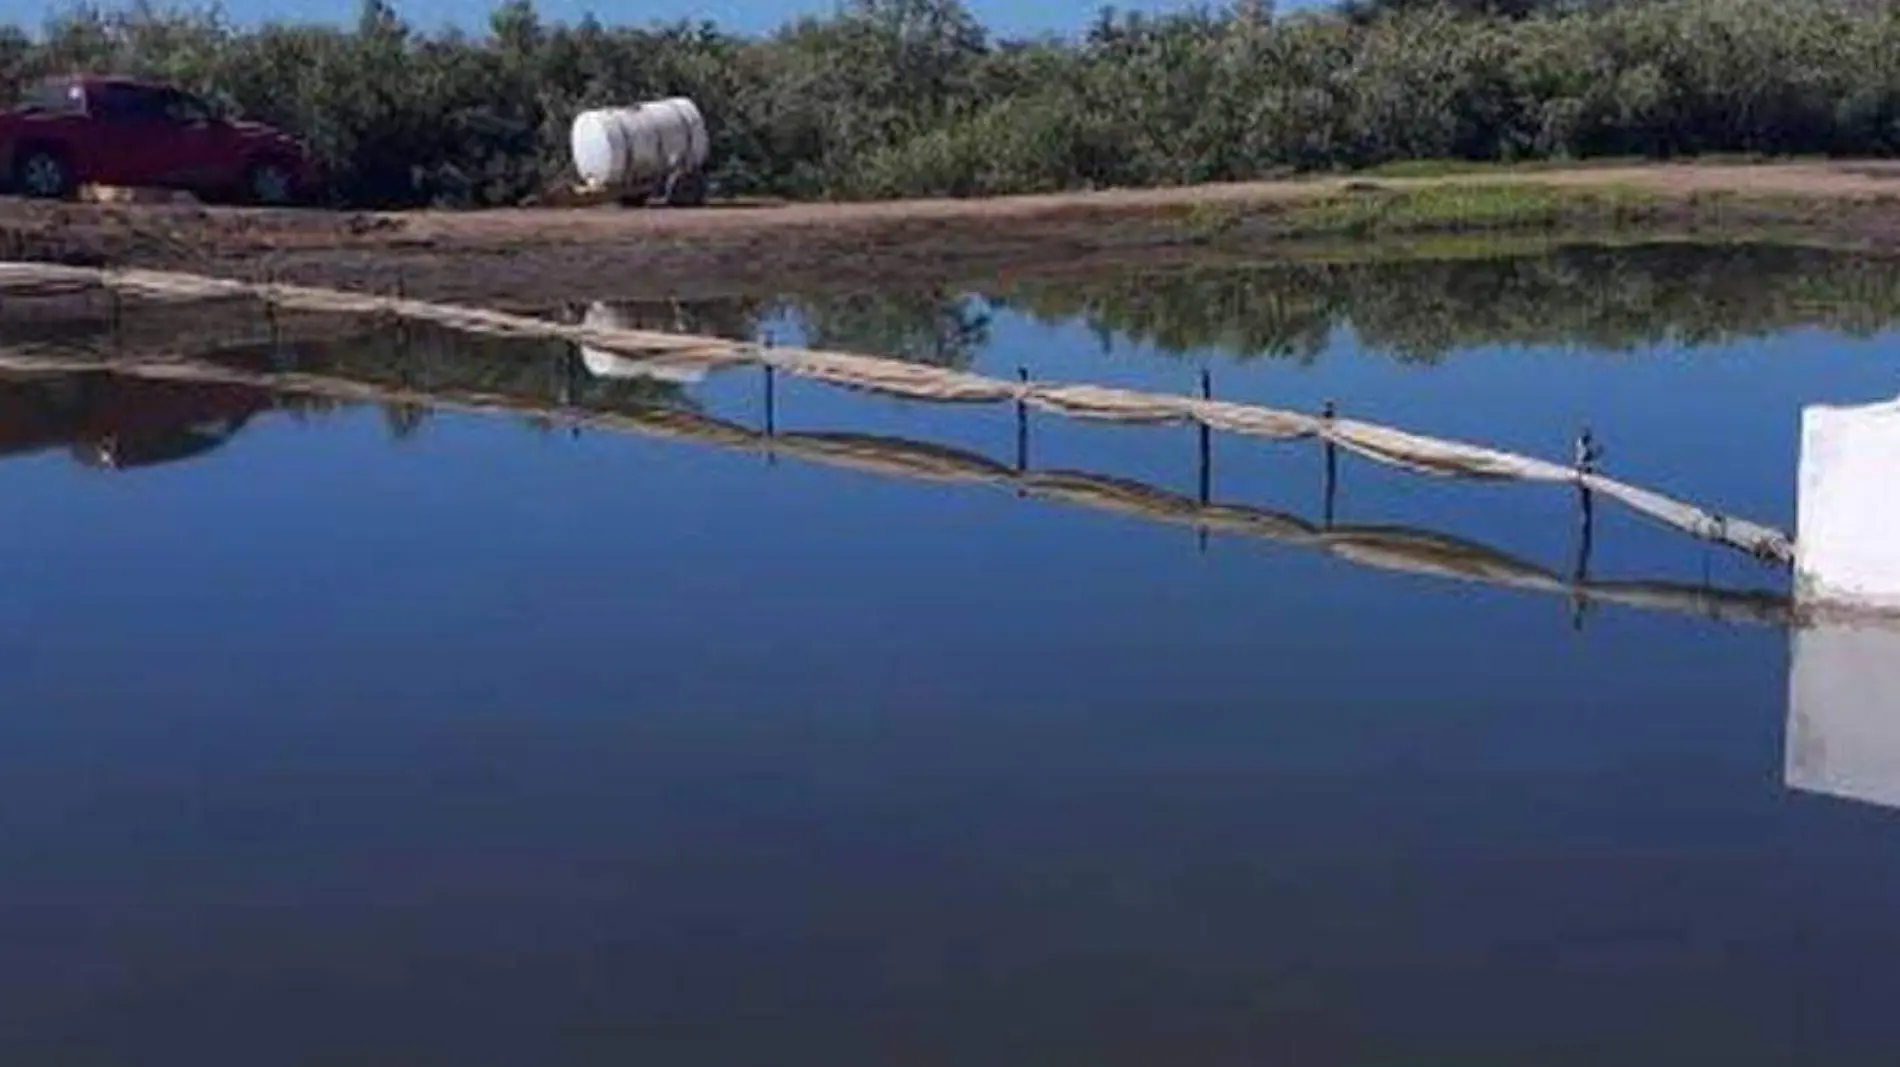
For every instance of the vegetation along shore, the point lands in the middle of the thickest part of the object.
(909, 98)
(1214, 132)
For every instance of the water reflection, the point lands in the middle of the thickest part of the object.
(1602, 299)
(1590, 298)
(604, 364)
(409, 371)
(1843, 734)
(111, 421)
(1844, 730)
(502, 749)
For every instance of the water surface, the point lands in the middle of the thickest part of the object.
(337, 733)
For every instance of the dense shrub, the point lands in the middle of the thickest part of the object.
(905, 97)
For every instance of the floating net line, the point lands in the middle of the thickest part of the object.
(1392, 548)
(663, 351)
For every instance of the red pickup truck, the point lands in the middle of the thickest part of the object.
(118, 131)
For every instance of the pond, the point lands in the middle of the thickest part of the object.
(553, 717)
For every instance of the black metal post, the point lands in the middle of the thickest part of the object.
(1586, 534)
(402, 321)
(771, 402)
(1207, 444)
(270, 309)
(1331, 492)
(1022, 425)
(1587, 452)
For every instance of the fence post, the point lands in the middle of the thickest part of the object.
(402, 321)
(771, 402)
(1207, 443)
(1022, 427)
(1587, 453)
(1331, 493)
(270, 308)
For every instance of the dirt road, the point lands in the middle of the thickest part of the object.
(540, 255)
(1867, 180)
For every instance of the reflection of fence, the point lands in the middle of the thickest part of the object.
(1383, 444)
(1391, 548)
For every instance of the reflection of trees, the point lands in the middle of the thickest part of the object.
(105, 420)
(404, 420)
(935, 325)
(1244, 312)
(1614, 299)
(422, 358)
(1600, 298)
(1605, 298)
(926, 327)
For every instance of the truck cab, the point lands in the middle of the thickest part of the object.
(90, 130)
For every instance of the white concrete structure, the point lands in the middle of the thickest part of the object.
(1847, 545)
(1843, 733)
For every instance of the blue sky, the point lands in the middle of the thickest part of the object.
(1004, 16)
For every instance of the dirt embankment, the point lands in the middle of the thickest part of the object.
(547, 255)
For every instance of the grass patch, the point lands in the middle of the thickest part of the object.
(1368, 221)
(1454, 208)
(1451, 168)
(1468, 247)
(1207, 220)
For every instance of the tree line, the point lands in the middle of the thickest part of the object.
(914, 97)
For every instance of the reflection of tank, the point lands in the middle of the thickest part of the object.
(603, 364)
(121, 423)
(1843, 733)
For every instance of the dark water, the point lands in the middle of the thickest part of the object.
(338, 734)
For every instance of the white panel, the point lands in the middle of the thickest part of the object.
(1847, 548)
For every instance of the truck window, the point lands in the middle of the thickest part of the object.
(185, 109)
(58, 95)
(127, 103)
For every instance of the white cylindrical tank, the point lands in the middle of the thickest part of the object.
(615, 147)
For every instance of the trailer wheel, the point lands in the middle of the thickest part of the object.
(686, 190)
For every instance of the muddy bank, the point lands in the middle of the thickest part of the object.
(541, 256)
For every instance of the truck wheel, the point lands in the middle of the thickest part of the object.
(271, 183)
(43, 172)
